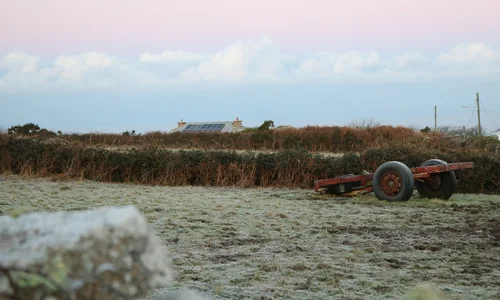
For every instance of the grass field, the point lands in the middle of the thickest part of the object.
(235, 243)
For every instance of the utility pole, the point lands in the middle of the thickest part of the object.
(478, 115)
(435, 117)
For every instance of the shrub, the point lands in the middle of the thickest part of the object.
(30, 129)
(295, 167)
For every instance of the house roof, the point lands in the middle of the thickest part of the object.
(215, 126)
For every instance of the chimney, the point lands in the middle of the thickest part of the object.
(180, 124)
(237, 123)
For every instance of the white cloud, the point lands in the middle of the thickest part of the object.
(239, 61)
(243, 62)
(407, 61)
(87, 67)
(355, 62)
(326, 65)
(19, 71)
(474, 59)
(80, 71)
(19, 62)
(473, 53)
(172, 57)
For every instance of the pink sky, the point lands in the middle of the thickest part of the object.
(129, 27)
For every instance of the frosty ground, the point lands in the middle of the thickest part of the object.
(253, 243)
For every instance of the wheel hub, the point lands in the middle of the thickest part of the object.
(391, 184)
(434, 182)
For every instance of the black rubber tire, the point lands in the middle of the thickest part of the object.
(405, 178)
(447, 183)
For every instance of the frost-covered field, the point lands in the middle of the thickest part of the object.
(237, 243)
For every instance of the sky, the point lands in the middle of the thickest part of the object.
(117, 65)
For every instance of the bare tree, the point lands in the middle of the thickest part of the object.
(364, 123)
(461, 131)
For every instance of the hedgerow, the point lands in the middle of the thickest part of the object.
(295, 167)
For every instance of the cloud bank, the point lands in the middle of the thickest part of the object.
(242, 62)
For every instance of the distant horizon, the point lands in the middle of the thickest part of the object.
(364, 123)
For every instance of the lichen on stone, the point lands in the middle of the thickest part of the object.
(104, 253)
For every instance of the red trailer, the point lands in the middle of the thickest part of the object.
(394, 181)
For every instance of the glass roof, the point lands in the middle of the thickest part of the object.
(208, 127)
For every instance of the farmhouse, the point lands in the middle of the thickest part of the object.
(216, 126)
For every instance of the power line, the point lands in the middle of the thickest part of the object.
(494, 111)
(472, 115)
(489, 117)
(494, 131)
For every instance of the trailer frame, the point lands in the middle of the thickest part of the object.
(353, 185)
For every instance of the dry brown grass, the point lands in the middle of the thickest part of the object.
(311, 138)
(288, 168)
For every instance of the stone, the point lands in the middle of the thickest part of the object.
(104, 253)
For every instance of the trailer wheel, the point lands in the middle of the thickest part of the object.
(393, 181)
(439, 185)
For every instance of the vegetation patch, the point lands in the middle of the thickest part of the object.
(153, 165)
